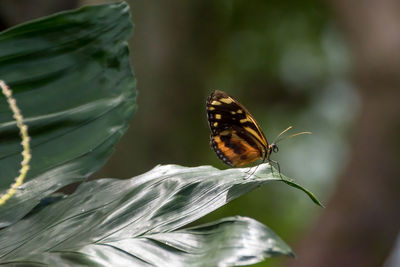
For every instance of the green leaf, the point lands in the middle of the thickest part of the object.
(137, 222)
(311, 195)
(292, 183)
(71, 76)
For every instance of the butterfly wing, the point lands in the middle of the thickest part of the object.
(235, 148)
(235, 135)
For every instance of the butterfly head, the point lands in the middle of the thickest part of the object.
(274, 148)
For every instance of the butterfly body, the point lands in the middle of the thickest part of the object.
(236, 137)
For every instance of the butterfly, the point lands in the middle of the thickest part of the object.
(236, 137)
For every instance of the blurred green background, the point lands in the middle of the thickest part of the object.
(284, 60)
(287, 61)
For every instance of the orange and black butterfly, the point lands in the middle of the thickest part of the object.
(236, 137)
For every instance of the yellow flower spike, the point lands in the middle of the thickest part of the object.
(26, 153)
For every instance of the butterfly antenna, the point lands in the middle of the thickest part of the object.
(293, 135)
(279, 135)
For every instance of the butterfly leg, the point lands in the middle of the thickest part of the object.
(249, 173)
(279, 167)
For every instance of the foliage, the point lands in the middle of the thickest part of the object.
(75, 88)
(71, 76)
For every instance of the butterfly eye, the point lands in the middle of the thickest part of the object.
(275, 148)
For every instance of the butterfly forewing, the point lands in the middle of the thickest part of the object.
(235, 135)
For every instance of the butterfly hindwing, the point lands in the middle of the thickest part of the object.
(235, 135)
(236, 148)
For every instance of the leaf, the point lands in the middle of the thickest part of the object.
(71, 76)
(311, 195)
(136, 222)
(230, 241)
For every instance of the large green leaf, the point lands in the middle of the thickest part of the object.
(71, 76)
(137, 222)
